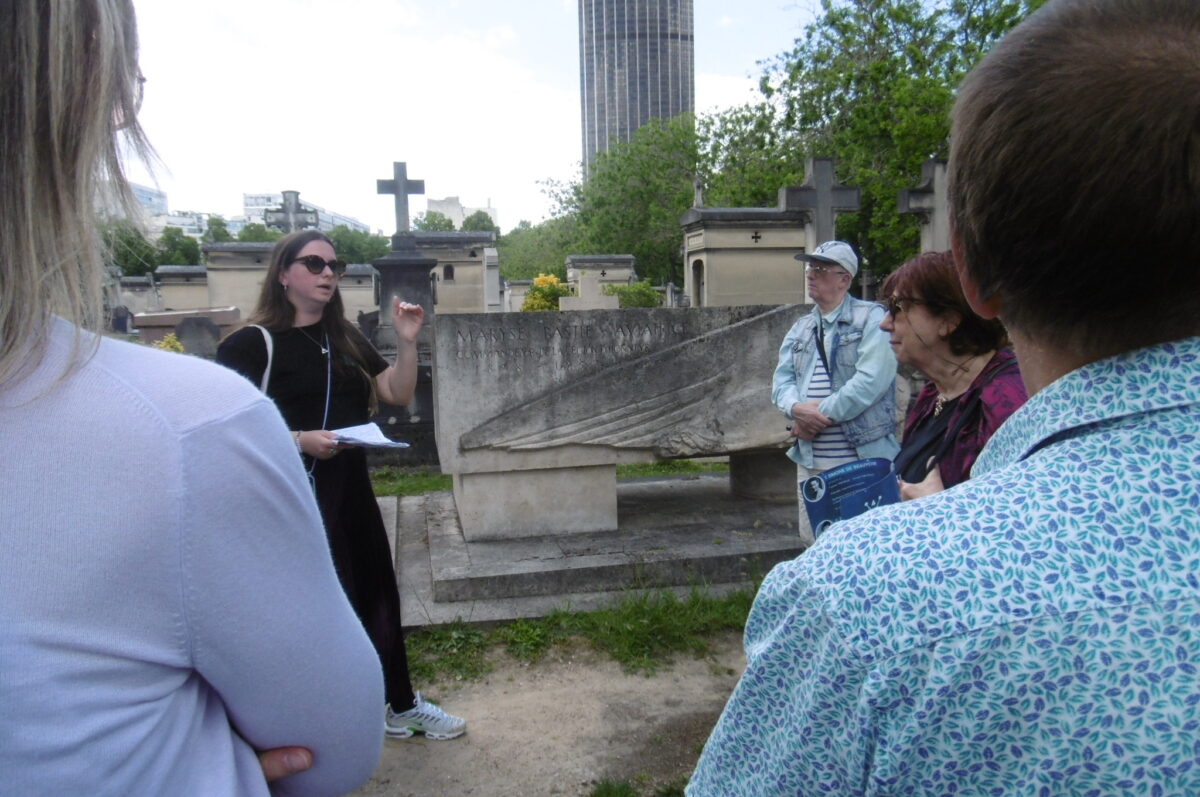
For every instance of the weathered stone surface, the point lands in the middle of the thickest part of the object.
(527, 391)
(532, 503)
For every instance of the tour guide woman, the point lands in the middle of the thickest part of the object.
(325, 375)
(974, 383)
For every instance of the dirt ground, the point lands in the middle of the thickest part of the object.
(564, 723)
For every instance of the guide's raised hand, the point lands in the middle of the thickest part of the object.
(406, 319)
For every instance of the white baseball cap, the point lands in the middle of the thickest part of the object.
(837, 252)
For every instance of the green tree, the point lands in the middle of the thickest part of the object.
(480, 221)
(871, 83)
(129, 250)
(432, 221)
(177, 249)
(258, 233)
(746, 156)
(632, 200)
(356, 246)
(528, 250)
(639, 294)
(216, 231)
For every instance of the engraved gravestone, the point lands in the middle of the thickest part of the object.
(535, 410)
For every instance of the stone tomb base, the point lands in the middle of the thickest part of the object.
(674, 531)
(532, 503)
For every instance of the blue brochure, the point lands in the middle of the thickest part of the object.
(849, 490)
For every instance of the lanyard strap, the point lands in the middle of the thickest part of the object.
(821, 349)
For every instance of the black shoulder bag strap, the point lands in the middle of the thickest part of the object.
(821, 349)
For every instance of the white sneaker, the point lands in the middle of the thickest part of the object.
(426, 718)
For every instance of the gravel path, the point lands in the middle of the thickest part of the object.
(564, 723)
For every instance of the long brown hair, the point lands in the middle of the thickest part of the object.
(277, 314)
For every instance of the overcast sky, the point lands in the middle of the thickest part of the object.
(479, 97)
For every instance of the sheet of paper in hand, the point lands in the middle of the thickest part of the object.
(368, 435)
(849, 490)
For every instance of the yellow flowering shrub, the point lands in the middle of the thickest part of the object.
(168, 343)
(544, 293)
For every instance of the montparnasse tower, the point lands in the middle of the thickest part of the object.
(635, 64)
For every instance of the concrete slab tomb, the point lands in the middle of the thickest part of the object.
(535, 410)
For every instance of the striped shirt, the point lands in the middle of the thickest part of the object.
(830, 447)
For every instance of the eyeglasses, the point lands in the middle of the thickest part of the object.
(817, 268)
(316, 264)
(895, 304)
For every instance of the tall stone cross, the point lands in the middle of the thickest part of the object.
(401, 187)
(928, 203)
(291, 215)
(822, 196)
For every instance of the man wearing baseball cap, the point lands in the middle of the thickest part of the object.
(836, 377)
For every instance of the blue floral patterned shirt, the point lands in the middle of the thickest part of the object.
(1034, 630)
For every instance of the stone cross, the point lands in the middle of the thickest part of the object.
(401, 187)
(928, 203)
(291, 216)
(822, 196)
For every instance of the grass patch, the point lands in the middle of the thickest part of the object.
(646, 629)
(642, 632)
(456, 651)
(418, 481)
(408, 481)
(608, 788)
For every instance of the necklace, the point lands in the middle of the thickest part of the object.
(324, 349)
(939, 404)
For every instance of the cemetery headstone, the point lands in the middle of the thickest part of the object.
(153, 327)
(404, 272)
(199, 336)
(588, 274)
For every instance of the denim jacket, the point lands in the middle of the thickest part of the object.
(864, 378)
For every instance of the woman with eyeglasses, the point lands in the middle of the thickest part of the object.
(974, 382)
(323, 374)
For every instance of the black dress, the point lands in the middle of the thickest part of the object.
(353, 524)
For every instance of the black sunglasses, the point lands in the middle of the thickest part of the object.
(316, 264)
(895, 304)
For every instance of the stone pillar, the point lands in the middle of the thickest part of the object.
(404, 272)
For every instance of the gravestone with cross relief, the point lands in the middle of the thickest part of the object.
(588, 274)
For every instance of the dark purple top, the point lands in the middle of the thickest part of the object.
(1002, 393)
